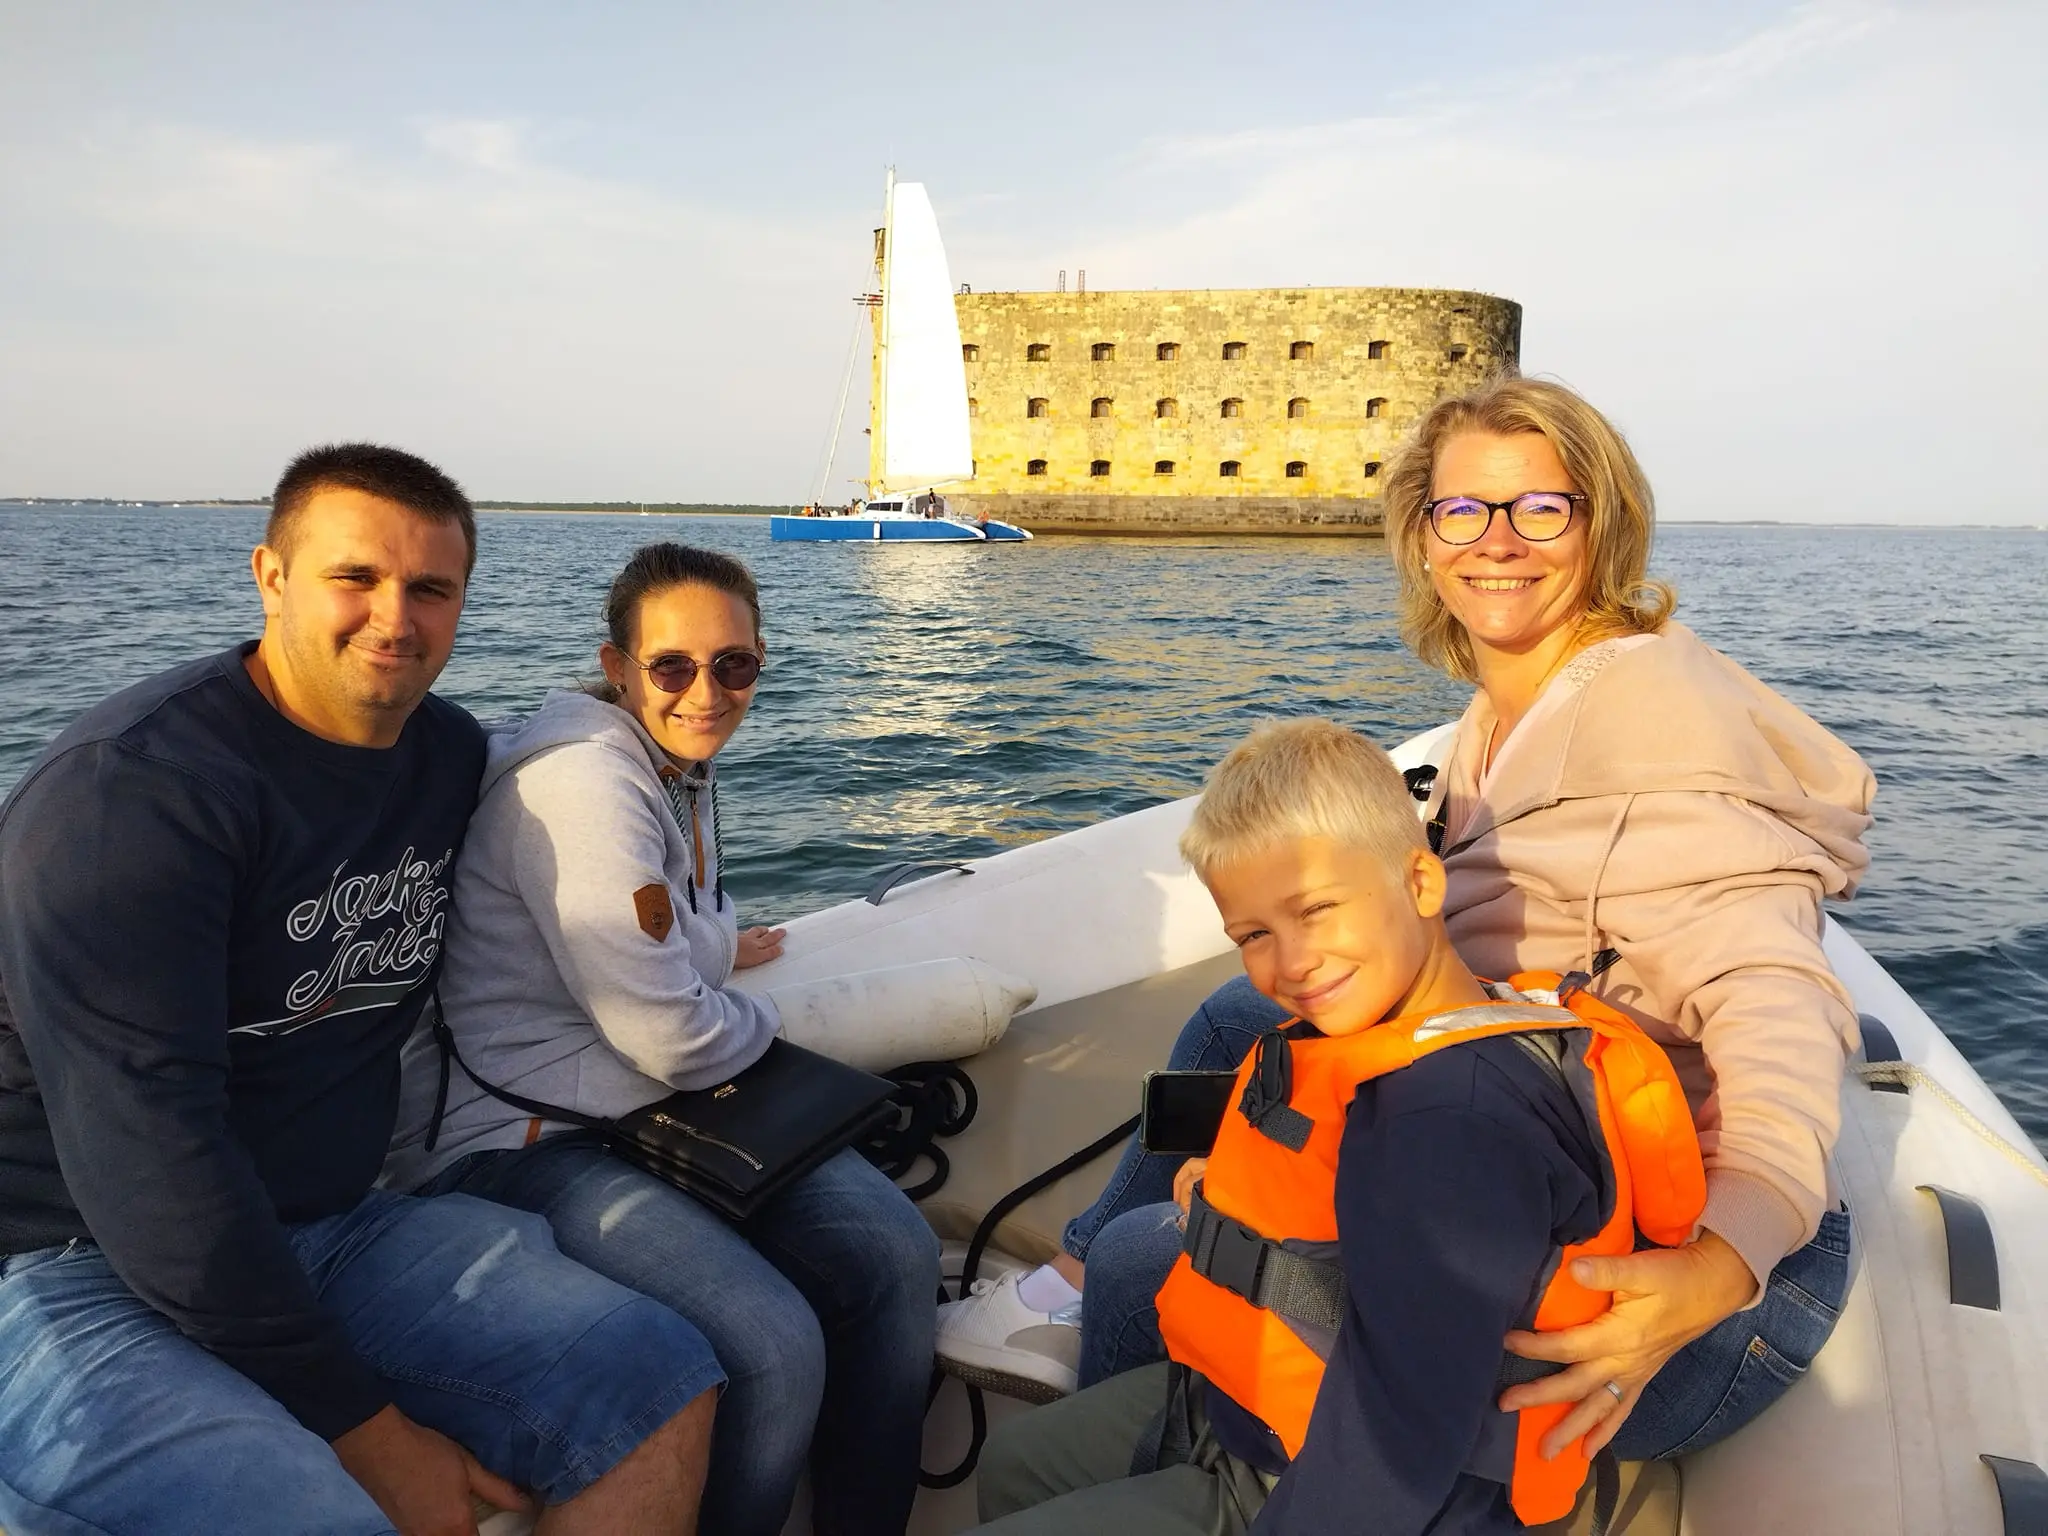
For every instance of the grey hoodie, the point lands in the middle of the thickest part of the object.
(589, 944)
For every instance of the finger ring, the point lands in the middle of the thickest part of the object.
(1615, 1387)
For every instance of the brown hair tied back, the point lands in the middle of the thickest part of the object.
(658, 568)
(1621, 597)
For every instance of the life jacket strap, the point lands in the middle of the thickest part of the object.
(1296, 1287)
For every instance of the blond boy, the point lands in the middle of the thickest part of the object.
(1457, 1180)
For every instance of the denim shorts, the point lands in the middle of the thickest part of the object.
(112, 1421)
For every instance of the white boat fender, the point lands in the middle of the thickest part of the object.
(935, 1010)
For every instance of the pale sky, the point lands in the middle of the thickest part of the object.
(607, 251)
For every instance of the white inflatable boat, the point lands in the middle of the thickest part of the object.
(1927, 1413)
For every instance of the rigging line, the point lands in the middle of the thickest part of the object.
(860, 320)
(1919, 1077)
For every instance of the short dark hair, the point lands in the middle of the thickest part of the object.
(660, 567)
(375, 470)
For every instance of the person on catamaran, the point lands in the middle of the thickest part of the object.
(1407, 1168)
(222, 908)
(588, 954)
(1619, 792)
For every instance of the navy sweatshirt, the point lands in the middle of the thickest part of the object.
(216, 930)
(1456, 1179)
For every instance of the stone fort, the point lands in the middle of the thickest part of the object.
(1268, 410)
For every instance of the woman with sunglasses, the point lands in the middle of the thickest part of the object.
(588, 948)
(1620, 799)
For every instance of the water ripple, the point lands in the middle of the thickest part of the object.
(946, 702)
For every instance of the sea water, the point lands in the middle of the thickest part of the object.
(948, 701)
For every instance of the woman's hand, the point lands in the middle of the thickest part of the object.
(1664, 1298)
(757, 946)
(1184, 1185)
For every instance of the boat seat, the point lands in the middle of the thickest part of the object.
(1649, 1504)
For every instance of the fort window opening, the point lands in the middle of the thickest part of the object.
(1297, 407)
(1372, 468)
(1036, 407)
(1166, 408)
(1228, 469)
(1301, 351)
(973, 406)
(1103, 352)
(1038, 352)
(1233, 408)
(1098, 467)
(1035, 467)
(969, 352)
(1102, 405)
(1296, 469)
(1169, 351)
(1376, 351)
(1163, 467)
(1233, 351)
(1458, 351)
(1377, 406)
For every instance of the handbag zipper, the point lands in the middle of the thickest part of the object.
(708, 1139)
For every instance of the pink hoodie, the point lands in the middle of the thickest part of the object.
(1662, 801)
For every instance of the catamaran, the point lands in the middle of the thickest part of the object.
(921, 438)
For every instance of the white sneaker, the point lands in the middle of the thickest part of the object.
(992, 1340)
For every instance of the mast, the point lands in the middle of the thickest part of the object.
(878, 400)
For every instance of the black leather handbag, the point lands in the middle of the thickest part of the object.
(735, 1146)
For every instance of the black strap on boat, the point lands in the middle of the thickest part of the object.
(970, 1268)
(2022, 1495)
(1606, 1491)
(1294, 1286)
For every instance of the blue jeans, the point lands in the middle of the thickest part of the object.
(819, 1308)
(111, 1421)
(1721, 1381)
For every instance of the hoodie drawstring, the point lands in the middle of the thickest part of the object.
(717, 856)
(1593, 892)
(678, 786)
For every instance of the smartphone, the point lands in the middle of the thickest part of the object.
(1184, 1110)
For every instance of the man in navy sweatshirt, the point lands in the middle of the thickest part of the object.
(222, 898)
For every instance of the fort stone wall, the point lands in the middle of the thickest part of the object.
(1212, 410)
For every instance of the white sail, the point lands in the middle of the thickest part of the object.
(923, 415)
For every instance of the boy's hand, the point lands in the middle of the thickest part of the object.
(1184, 1185)
(420, 1479)
(757, 946)
(1664, 1298)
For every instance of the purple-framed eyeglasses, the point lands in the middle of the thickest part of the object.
(1538, 516)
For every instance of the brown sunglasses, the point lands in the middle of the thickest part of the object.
(673, 672)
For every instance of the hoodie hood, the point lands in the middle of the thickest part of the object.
(569, 716)
(1678, 716)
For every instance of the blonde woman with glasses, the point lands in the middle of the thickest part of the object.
(1621, 799)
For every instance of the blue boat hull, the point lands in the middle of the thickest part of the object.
(890, 529)
(870, 529)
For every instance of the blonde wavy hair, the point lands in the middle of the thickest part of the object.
(1621, 597)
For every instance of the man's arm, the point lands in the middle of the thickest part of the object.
(1445, 1212)
(119, 882)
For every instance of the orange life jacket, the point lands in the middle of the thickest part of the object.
(1254, 1302)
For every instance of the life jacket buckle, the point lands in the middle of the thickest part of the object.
(1237, 1259)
